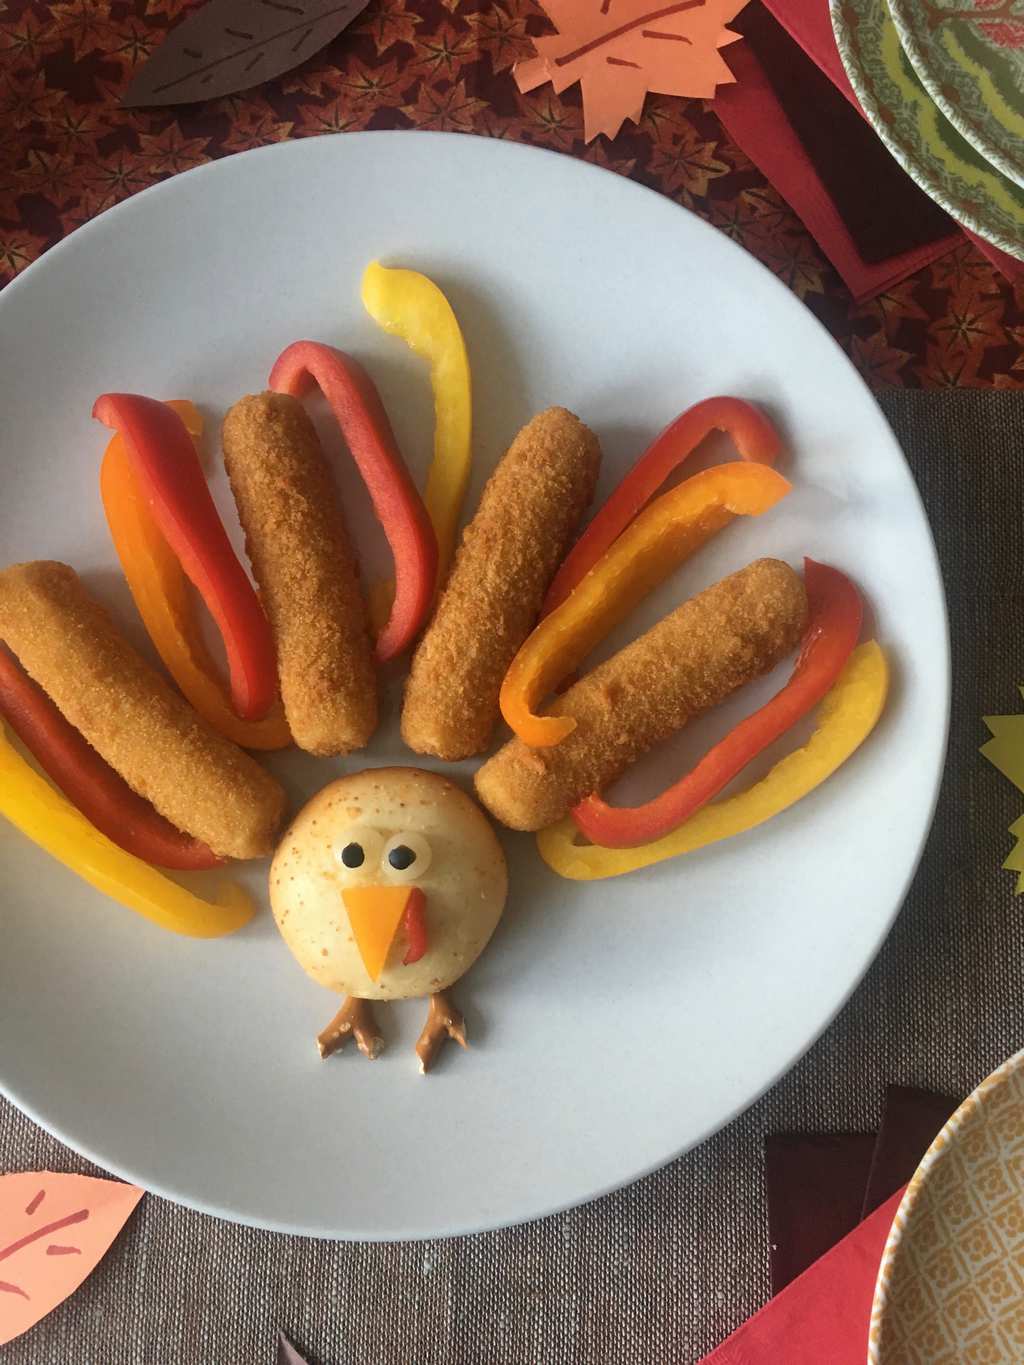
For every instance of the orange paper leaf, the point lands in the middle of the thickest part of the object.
(54, 1230)
(620, 49)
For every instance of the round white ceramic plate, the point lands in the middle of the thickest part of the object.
(613, 1024)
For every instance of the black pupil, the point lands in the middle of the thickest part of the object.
(401, 857)
(352, 855)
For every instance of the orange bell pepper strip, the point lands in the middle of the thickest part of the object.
(847, 715)
(165, 602)
(165, 464)
(753, 435)
(665, 534)
(833, 627)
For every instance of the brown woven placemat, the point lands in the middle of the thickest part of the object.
(662, 1271)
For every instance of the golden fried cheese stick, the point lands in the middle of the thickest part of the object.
(201, 782)
(530, 508)
(302, 559)
(690, 661)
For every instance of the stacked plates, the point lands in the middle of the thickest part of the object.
(942, 82)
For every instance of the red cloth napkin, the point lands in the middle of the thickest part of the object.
(821, 1318)
(810, 24)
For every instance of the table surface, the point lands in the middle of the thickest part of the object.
(665, 1269)
(69, 151)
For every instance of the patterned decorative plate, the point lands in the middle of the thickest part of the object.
(921, 138)
(970, 57)
(950, 1287)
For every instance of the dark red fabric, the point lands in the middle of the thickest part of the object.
(815, 1187)
(911, 1121)
(846, 153)
(753, 115)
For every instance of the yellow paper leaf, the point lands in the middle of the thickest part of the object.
(1005, 751)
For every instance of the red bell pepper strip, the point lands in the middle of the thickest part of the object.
(88, 781)
(836, 612)
(400, 510)
(168, 471)
(753, 435)
(415, 926)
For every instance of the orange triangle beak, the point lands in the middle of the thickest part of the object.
(375, 912)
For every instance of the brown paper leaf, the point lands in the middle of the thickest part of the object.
(231, 45)
(286, 1352)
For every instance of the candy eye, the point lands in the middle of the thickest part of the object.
(406, 857)
(357, 847)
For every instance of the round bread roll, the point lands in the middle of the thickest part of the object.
(380, 836)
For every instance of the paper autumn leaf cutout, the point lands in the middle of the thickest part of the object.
(620, 49)
(231, 45)
(286, 1352)
(1006, 751)
(54, 1230)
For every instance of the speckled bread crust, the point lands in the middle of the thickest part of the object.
(465, 884)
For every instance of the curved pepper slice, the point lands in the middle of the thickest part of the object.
(833, 627)
(88, 781)
(409, 305)
(847, 716)
(364, 423)
(161, 593)
(663, 535)
(169, 474)
(753, 435)
(29, 802)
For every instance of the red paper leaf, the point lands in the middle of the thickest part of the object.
(286, 1352)
(54, 1230)
(620, 49)
(231, 45)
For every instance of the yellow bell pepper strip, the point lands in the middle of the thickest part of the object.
(171, 479)
(753, 434)
(666, 533)
(846, 717)
(166, 604)
(29, 802)
(358, 410)
(408, 305)
(833, 628)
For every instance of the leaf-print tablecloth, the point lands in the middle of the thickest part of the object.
(68, 151)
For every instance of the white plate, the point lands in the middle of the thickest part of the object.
(614, 1024)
